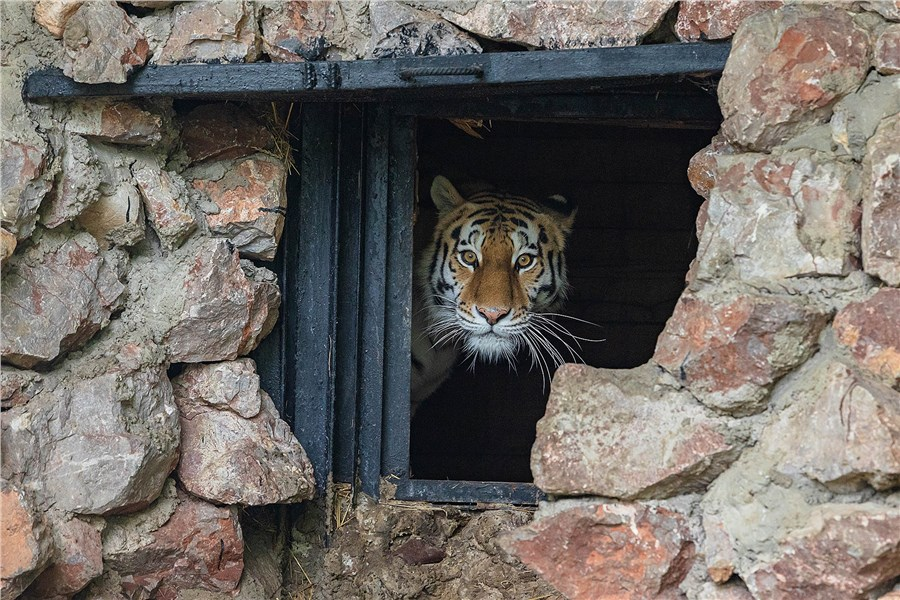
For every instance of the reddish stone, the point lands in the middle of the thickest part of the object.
(218, 31)
(702, 169)
(78, 185)
(78, 560)
(871, 331)
(25, 182)
(234, 447)
(554, 24)
(593, 551)
(716, 19)
(25, 549)
(881, 203)
(729, 352)
(224, 313)
(7, 245)
(887, 51)
(55, 299)
(417, 551)
(198, 546)
(102, 44)
(843, 552)
(165, 196)
(223, 132)
(251, 197)
(786, 69)
(621, 434)
(856, 426)
(53, 15)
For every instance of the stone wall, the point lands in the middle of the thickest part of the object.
(757, 451)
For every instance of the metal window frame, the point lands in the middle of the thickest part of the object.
(338, 364)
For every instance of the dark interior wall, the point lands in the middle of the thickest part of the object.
(632, 244)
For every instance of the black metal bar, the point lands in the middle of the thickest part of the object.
(402, 168)
(555, 71)
(311, 288)
(371, 385)
(350, 171)
(468, 492)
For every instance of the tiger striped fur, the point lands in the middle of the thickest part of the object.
(495, 261)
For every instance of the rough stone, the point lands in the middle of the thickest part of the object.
(55, 298)
(399, 30)
(178, 542)
(251, 196)
(857, 115)
(315, 29)
(887, 51)
(416, 551)
(729, 351)
(702, 171)
(25, 180)
(775, 218)
(786, 69)
(115, 123)
(26, 548)
(7, 245)
(102, 44)
(98, 445)
(729, 591)
(625, 434)
(165, 199)
(223, 132)
(871, 331)
(856, 424)
(219, 31)
(235, 448)
(17, 387)
(224, 312)
(77, 561)
(78, 183)
(592, 551)
(889, 9)
(881, 203)
(53, 15)
(555, 25)
(842, 552)
(716, 20)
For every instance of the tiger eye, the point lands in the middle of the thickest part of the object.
(524, 261)
(469, 258)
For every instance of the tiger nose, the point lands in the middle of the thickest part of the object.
(492, 314)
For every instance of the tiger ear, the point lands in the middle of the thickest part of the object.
(564, 210)
(444, 195)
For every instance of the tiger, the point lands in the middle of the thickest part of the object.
(495, 262)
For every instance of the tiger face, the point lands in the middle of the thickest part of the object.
(496, 261)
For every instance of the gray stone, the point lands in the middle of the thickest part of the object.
(626, 434)
(766, 92)
(887, 51)
(77, 559)
(322, 29)
(78, 184)
(881, 203)
(235, 448)
(251, 197)
(115, 123)
(117, 217)
(889, 9)
(102, 44)
(25, 179)
(218, 312)
(857, 116)
(17, 387)
(856, 424)
(56, 296)
(773, 218)
(165, 197)
(219, 31)
(556, 25)
(399, 30)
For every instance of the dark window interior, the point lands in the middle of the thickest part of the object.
(628, 255)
